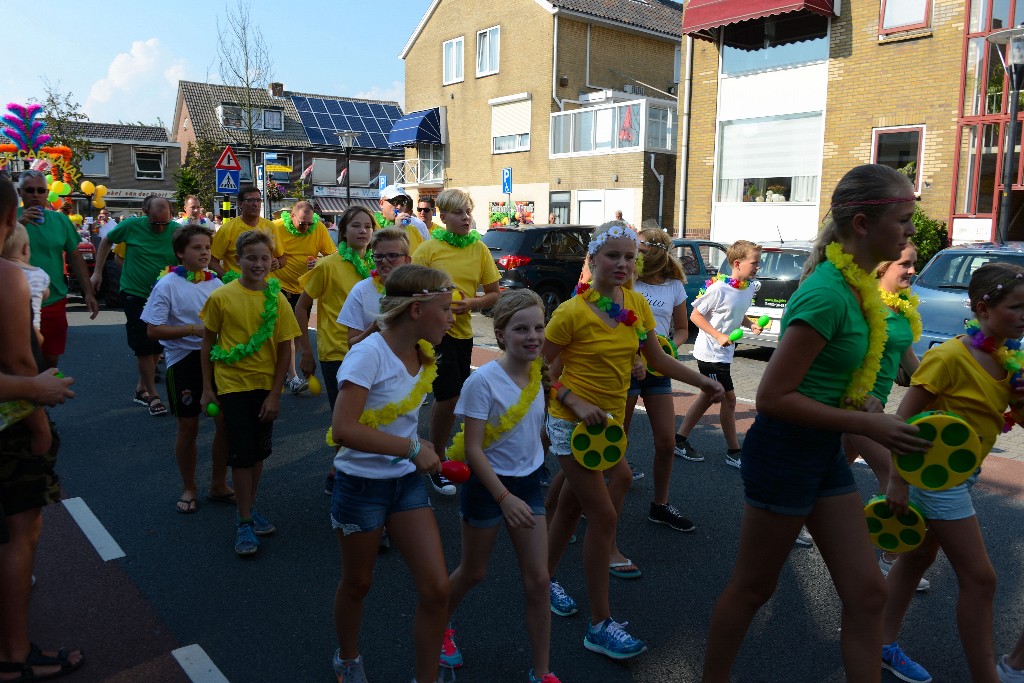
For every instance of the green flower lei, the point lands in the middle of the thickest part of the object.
(286, 218)
(457, 241)
(381, 221)
(361, 264)
(266, 329)
(230, 276)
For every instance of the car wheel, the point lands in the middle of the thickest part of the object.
(552, 298)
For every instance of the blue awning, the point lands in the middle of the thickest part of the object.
(416, 127)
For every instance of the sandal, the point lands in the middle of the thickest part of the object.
(156, 407)
(142, 397)
(624, 570)
(36, 658)
(187, 506)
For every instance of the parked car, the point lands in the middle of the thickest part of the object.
(88, 254)
(778, 278)
(545, 258)
(701, 261)
(942, 287)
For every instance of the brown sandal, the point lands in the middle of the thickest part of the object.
(156, 407)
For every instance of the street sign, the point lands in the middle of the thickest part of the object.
(227, 181)
(269, 156)
(259, 177)
(228, 160)
(382, 181)
(506, 180)
(278, 168)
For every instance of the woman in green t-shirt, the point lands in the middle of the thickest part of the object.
(815, 388)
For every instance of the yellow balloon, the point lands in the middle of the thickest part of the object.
(55, 186)
(99, 204)
(101, 190)
(87, 187)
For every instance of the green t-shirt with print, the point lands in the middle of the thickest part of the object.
(146, 254)
(48, 242)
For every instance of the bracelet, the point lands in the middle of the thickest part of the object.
(191, 330)
(501, 497)
(561, 399)
(414, 449)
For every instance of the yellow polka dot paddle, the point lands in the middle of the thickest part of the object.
(598, 447)
(890, 532)
(953, 457)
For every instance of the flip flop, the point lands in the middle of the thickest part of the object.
(36, 658)
(228, 498)
(624, 570)
(187, 506)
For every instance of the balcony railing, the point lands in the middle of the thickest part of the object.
(419, 172)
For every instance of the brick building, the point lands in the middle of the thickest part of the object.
(788, 96)
(576, 97)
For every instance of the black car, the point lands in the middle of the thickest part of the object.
(545, 258)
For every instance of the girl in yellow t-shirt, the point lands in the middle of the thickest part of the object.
(596, 335)
(975, 376)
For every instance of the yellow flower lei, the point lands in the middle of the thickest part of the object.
(510, 419)
(863, 379)
(389, 412)
(905, 303)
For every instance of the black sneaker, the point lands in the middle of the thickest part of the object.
(442, 485)
(687, 452)
(668, 514)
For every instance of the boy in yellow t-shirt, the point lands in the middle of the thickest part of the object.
(458, 251)
(249, 325)
(225, 256)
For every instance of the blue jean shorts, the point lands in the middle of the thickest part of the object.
(479, 509)
(949, 505)
(651, 385)
(560, 435)
(786, 467)
(360, 504)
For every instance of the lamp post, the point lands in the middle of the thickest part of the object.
(347, 139)
(1013, 65)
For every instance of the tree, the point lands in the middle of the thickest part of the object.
(244, 61)
(64, 119)
(197, 175)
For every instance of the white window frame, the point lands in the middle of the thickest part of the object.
(919, 22)
(242, 177)
(279, 112)
(458, 49)
(281, 176)
(519, 137)
(148, 150)
(222, 110)
(604, 145)
(106, 164)
(489, 34)
(918, 162)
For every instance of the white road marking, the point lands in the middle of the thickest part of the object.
(105, 545)
(197, 665)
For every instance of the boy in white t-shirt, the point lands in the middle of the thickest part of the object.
(717, 312)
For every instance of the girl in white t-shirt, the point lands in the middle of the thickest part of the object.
(502, 406)
(390, 248)
(661, 283)
(382, 382)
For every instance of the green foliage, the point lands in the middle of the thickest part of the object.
(300, 190)
(197, 175)
(931, 236)
(63, 117)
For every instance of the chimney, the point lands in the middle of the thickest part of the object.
(276, 89)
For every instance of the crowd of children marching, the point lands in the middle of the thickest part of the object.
(394, 326)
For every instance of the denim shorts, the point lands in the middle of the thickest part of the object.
(786, 467)
(360, 504)
(479, 509)
(560, 435)
(949, 505)
(651, 385)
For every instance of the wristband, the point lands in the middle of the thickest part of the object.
(561, 399)
(410, 455)
(501, 497)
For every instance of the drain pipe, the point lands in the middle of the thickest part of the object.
(684, 145)
(661, 190)
(554, 70)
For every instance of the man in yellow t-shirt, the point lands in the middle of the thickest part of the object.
(458, 251)
(303, 237)
(223, 249)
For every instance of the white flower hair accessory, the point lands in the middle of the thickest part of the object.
(612, 233)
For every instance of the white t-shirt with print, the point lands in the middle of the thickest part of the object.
(176, 301)
(724, 307)
(372, 364)
(487, 395)
(663, 299)
(361, 306)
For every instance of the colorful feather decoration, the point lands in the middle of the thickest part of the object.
(23, 129)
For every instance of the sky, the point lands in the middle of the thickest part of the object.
(126, 66)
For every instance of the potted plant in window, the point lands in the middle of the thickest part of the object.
(777, 192)
(751, 193)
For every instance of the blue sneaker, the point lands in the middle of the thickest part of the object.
(451, 658)
(348, 670)
(903, 667)
(246, 542)
(561, 603)
(610, 639)
(546, 678)
(261, 525)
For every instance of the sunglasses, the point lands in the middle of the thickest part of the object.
(159, 225)
(390, 258)
(35, 190)
(421, 209)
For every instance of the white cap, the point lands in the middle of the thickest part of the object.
(392, 191)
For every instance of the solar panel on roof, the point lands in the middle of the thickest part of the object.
(378, 110)
(379, 140)
(356, 123)
(316, 136)
(317, 106)
(324, 121)
(301, 104)
(340, 122)
(332, 106)
(371, 125)
(308, 120)
(349, 108)
(323, 118)
(364, 109)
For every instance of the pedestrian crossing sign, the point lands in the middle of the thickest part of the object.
(227, 181)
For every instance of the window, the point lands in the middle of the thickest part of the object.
(149, 164)
(770, 160)
(230, 116)
(659, 129)
(452, 54)
(99, 165)
(246, 173)
(603, 129)
(325, 171)
(487, 43)
(273, 119)
(510, 123)
(904, 15)
(559, 203)
(899, 148)
(281, 176)
(775, 42)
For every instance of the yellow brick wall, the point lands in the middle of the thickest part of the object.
(700, 169)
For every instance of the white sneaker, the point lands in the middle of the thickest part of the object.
(733, 460)
(804, 539)
(922, 586)
(1007, 674)
(297, 384)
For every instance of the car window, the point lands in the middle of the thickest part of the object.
(688, 257)
(781, 265)
(954, 271)
(550, 245)
(576, 243)
(503, 241)
(714, 258)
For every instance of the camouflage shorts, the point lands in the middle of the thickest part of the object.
(26, 481)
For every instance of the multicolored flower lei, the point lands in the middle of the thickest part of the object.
(731, 281)
(905, 303)
(863, 379)
(362, 264)
(194, 276)
(626, 316)
(375, 274)
(506, 422)
(457, 241)
(286, 218)
(389, 412)
(266, 329)
(1008, 355)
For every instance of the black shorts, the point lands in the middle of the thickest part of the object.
(293, 299)
(720, 372)
(26, 481)
(249, 437)
(138, 340)
(454, 357)
(185, 385)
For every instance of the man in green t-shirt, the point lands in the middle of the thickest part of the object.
(148, 250)
(52, 238)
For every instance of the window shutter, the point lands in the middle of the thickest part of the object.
(510, 119)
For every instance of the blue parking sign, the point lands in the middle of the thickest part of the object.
(506, 180)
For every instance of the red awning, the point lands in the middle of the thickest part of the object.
(701, 15)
